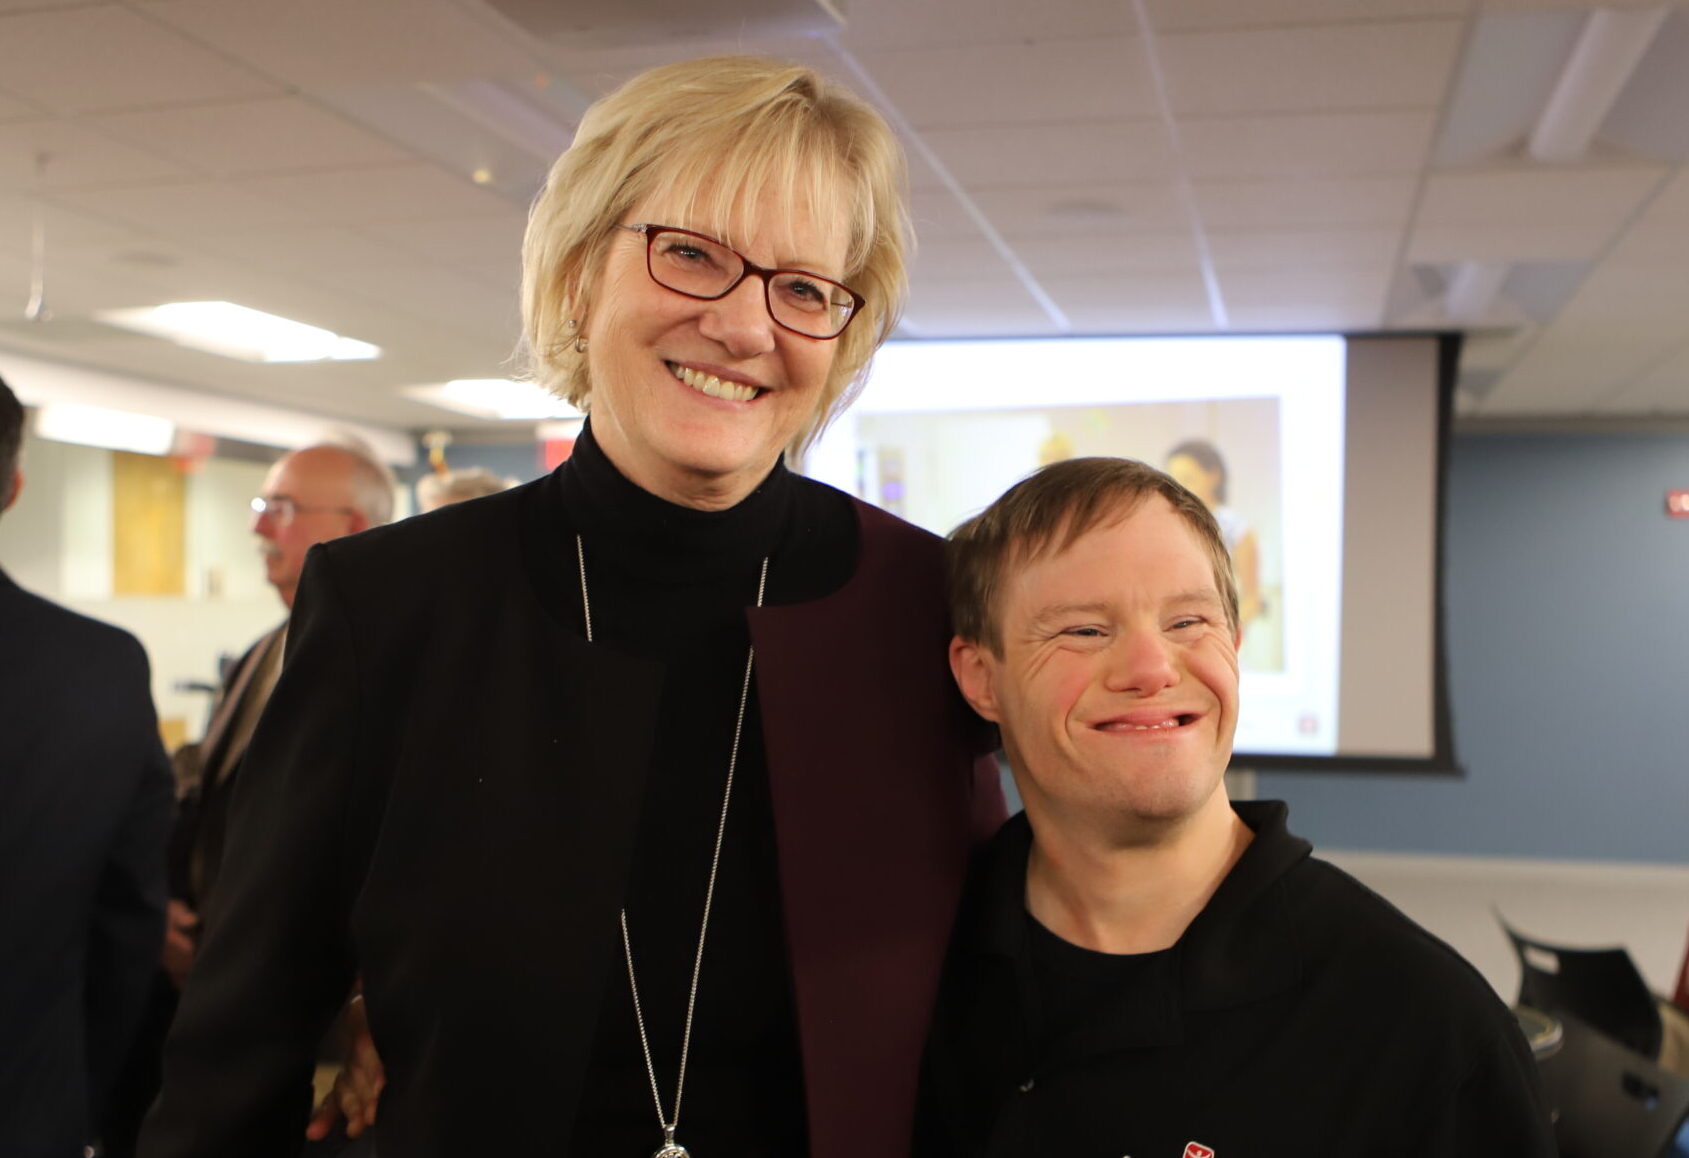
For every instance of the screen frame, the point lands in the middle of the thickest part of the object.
(1442, 762)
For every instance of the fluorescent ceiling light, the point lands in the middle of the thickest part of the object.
(1473, 288)
(499, 398)
(240, 332)
(1607, 53)
(108, 429)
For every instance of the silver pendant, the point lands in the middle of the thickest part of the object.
(671, 1148)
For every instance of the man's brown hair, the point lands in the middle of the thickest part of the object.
(11, 439)
(1047, 512)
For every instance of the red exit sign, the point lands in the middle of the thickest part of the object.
(1677, 504)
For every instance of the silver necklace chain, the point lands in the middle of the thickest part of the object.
(671, 1123)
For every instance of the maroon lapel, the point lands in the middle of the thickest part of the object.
(872, 763)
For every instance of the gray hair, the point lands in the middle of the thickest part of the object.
(454, 486)
(373, 482)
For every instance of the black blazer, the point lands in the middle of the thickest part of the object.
(85, 805)
(443, 796)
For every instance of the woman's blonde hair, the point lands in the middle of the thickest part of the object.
(715, 134)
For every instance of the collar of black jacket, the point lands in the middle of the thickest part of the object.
(1240, 947)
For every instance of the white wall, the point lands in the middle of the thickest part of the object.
(1643, 907)
(57, 542)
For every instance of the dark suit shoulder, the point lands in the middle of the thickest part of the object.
(31, 622)
(419, 559)
(438, 538)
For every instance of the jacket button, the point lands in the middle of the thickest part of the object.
(1026, 1086)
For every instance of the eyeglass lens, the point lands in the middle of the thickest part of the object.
(279, 509)
(702, 268)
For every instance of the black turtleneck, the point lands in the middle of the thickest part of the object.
(671, 584)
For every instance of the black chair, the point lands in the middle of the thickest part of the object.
(1601, 987)
(1609, 1102)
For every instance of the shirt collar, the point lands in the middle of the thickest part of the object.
(631, 528)
(1238, 949)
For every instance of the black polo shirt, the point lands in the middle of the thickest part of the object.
(1299, 1014)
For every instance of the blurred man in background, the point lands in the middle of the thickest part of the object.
(442, 489)
(85, 805)
(310, 496)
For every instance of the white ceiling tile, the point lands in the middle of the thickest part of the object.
(1125, 255)
(1522, 241)
(435, 293)
(1664, 387)
(1548, 197)
(1647, 119)
(1629, 302)
(964, 308)
(1322, 68)
(312, 248)
(1317, 317)
(922, 175)
(378, 194)
(76, 158)
(1671, 204)
(456, 238)
(936, 214)
(66, 230)
(15, 109)
(1310, 145)
(1005, 84)
(953, 259)
(1561, 5)
(1302, 212)
(1127, 305)
(185, 210)
(1573, 372)
(872, 24)
(1187, 15)
(265, 136)
(503, 274)
(1013, 156)
(924, 283)
(1306, 248)
(592, 71)
(121, 59)
(330, 43)
(1650, 244)
(1084, 210)
(1298, 202)
(1293, 287)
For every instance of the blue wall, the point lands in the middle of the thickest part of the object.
(1567, 596)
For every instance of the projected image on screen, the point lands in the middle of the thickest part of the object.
(926, 467)
(1319, 456)
(1255, 426)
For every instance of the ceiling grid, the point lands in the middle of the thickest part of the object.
(1077, 166)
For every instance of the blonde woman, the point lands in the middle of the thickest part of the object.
(614, 882)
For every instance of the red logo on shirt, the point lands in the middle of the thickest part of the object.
(1197, 1150)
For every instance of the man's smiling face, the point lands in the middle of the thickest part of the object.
(1116, 686)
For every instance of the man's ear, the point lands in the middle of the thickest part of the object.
(972, 665)
(10, 494)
